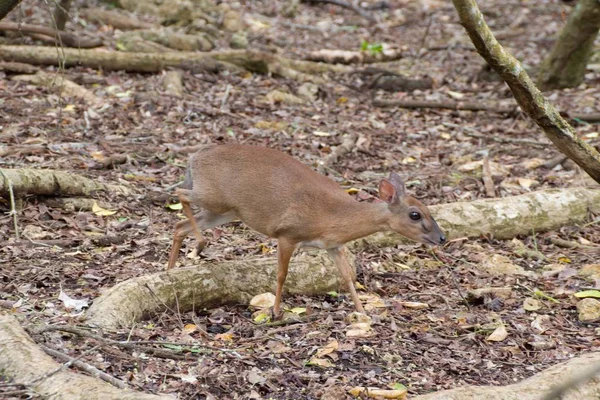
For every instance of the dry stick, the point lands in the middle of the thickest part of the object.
(131, 345)
(488, 182)
(592, 117)
(66, 38)
(450, 105)
(13, 210)
(529, 142)
(63, 366)
(161, 353)
(347, 5)
(528, 96)
(95, 372)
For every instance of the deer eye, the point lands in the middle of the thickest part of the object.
(415, 216)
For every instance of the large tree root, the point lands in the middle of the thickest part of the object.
(508, 217)
(534, 388)
(26, 364)
(53, 183)
(209, 285)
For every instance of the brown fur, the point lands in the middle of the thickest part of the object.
(280, 197)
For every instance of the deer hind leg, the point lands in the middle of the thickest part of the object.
(205, 219)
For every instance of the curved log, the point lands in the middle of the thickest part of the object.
(534, 388)
(209, 285)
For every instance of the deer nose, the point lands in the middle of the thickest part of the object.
(442, 239)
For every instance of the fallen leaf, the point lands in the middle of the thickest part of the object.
(225, 337)
(264, 300)
(174, 207)
(254, 378)
(327, 349)
(588, 293)
(531, 304)
(189, 328)
(96, 209)
(71, 303)
(320, 362)
(498, 335)
(378, 393)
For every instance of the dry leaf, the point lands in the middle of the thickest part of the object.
(72, 304)
(263, 300)
(531, 304)
(328, 349)
(498, 335)
(96, 209)
(320, 362)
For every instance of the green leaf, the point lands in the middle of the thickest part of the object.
(398, 386)
(262, 317)
(173, 347)
(175, 207)
(539, 293)
(364, 45)
(588, 293)
(333, 293)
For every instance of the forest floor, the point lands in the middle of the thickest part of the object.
(442, 346)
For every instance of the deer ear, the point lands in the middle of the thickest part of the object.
(387, 191)
(398, 184)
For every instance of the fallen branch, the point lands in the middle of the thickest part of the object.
(450, 105)
(116, 19)
(537, 387)
(20, 68)
(227, 60)
(25, 364)
(508, 217)
(64, 38)
(347, 145)
(54, 183)
(64, 86)
(353, 57)
(207, 285)
(500, 139)
(529, 98)
(344, 4)
(93, 371)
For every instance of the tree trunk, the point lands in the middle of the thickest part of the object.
(530, 99)
(565, 65)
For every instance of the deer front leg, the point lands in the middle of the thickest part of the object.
(338, 254)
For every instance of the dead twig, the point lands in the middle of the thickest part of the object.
(13, 209)
(95, 372)
(498, 139)
(488, 182)
(65, 38)
(344, 4)
(450, 105)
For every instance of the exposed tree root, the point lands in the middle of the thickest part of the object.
(53, 183)
(208, 285)
(26, 364)
(61, 84)
(534, 388)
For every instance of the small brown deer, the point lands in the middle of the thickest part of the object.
(280, 197)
